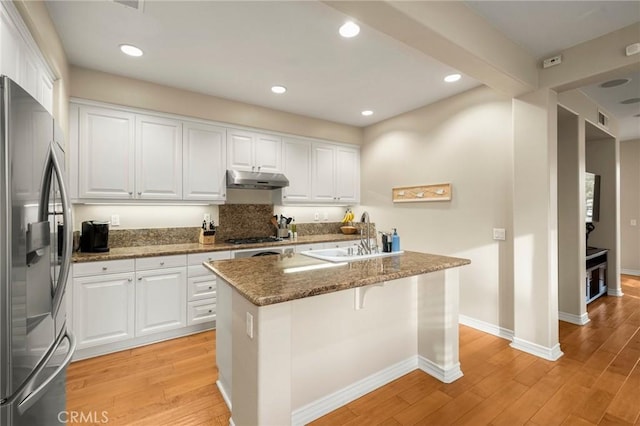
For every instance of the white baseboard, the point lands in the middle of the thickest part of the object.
(635, 272)
(432, 369)
(486, 327)
(224, 393)
(550, 354)
(574, 319)
(616, 292)
(326, 404)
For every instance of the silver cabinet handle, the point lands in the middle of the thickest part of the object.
(139, 193)
(130, 193)
(129, 279)
(139, 278)
(259, 167)
(104, 268)
(210, 288)
(210, 311)
(161, 263)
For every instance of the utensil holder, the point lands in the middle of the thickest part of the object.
(283, 233)
(207, 237)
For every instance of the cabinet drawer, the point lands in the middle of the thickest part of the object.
(161, 262)
(198, 258)
(101, 268)
(201, 311)
(199, 271)
(201, 288)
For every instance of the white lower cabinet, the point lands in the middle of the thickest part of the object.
(161, 297)
(103, 302)
(120, 304)
(201, 287)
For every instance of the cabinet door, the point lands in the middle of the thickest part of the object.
(9, 47)
(347, 175)
(324, 171)
(158, 158)
(296, 166)
(240, 150)
(106, 153)
(204, 162)
(161, 300)
(268, 153)
(103, 309)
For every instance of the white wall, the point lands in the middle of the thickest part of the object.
(630, 206)
(465, 140)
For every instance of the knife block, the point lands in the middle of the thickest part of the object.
(207, 237)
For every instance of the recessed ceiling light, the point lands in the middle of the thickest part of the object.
(630, 101)
(278, 89)
(452, 78)
(130, 50)
(615, 83)
(349, 29)
(367, 112)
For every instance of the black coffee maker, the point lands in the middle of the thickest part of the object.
(95, 237)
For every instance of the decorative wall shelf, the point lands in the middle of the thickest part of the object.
(413, 194)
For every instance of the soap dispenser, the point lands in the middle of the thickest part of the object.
(395, 240)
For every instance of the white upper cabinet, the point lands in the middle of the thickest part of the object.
(20, 58)
(254, 152)
(347, 174)
(204, 151)
(106, 153)
(335, 174)
(123, 155)
(296, 166)
(158, 158)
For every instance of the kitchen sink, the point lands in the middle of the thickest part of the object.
(342, 254)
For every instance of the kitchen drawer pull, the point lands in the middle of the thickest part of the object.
(104, 268)
(130, 193)
(129, 280)
(139, 278)
(210, 310)
(139, 193)
(161, 263)
(210, 288)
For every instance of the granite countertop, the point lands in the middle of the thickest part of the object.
(174, 249)
(274, 279)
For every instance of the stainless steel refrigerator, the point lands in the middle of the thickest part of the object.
(35, 254)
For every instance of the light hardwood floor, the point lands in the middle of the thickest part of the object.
(597, 381)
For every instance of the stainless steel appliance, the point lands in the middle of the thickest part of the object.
(266, 251)
(35, 214)
(95, 237)
(255, 180)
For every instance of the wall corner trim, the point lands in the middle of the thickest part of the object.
(551, 354)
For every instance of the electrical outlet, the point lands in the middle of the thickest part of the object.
(115, 220)
(207, 217)
(499, 234)
(325, 216)
(249, 325)
(316, 216)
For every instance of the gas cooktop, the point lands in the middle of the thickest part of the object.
(253, 240)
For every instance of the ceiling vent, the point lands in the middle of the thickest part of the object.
(132, 4)
(603, 119)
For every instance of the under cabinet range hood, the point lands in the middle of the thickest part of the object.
(255, 180)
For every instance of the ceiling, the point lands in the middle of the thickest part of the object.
(239, 49)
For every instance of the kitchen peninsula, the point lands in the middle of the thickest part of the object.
(298, 337)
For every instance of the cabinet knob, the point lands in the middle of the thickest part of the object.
(259, 167)
(284, 196)
(130, 193)
(139, 278)
(161, 263)
(104, 268)
(252, 168)
(139, 193)
(210, 311)
(210, 288)
(129, 280)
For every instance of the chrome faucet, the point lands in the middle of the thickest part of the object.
(365, 243)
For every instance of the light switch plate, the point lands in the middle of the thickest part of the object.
(499, 234)
(115, 220)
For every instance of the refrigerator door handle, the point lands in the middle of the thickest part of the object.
(53, 165)
(35, 395)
